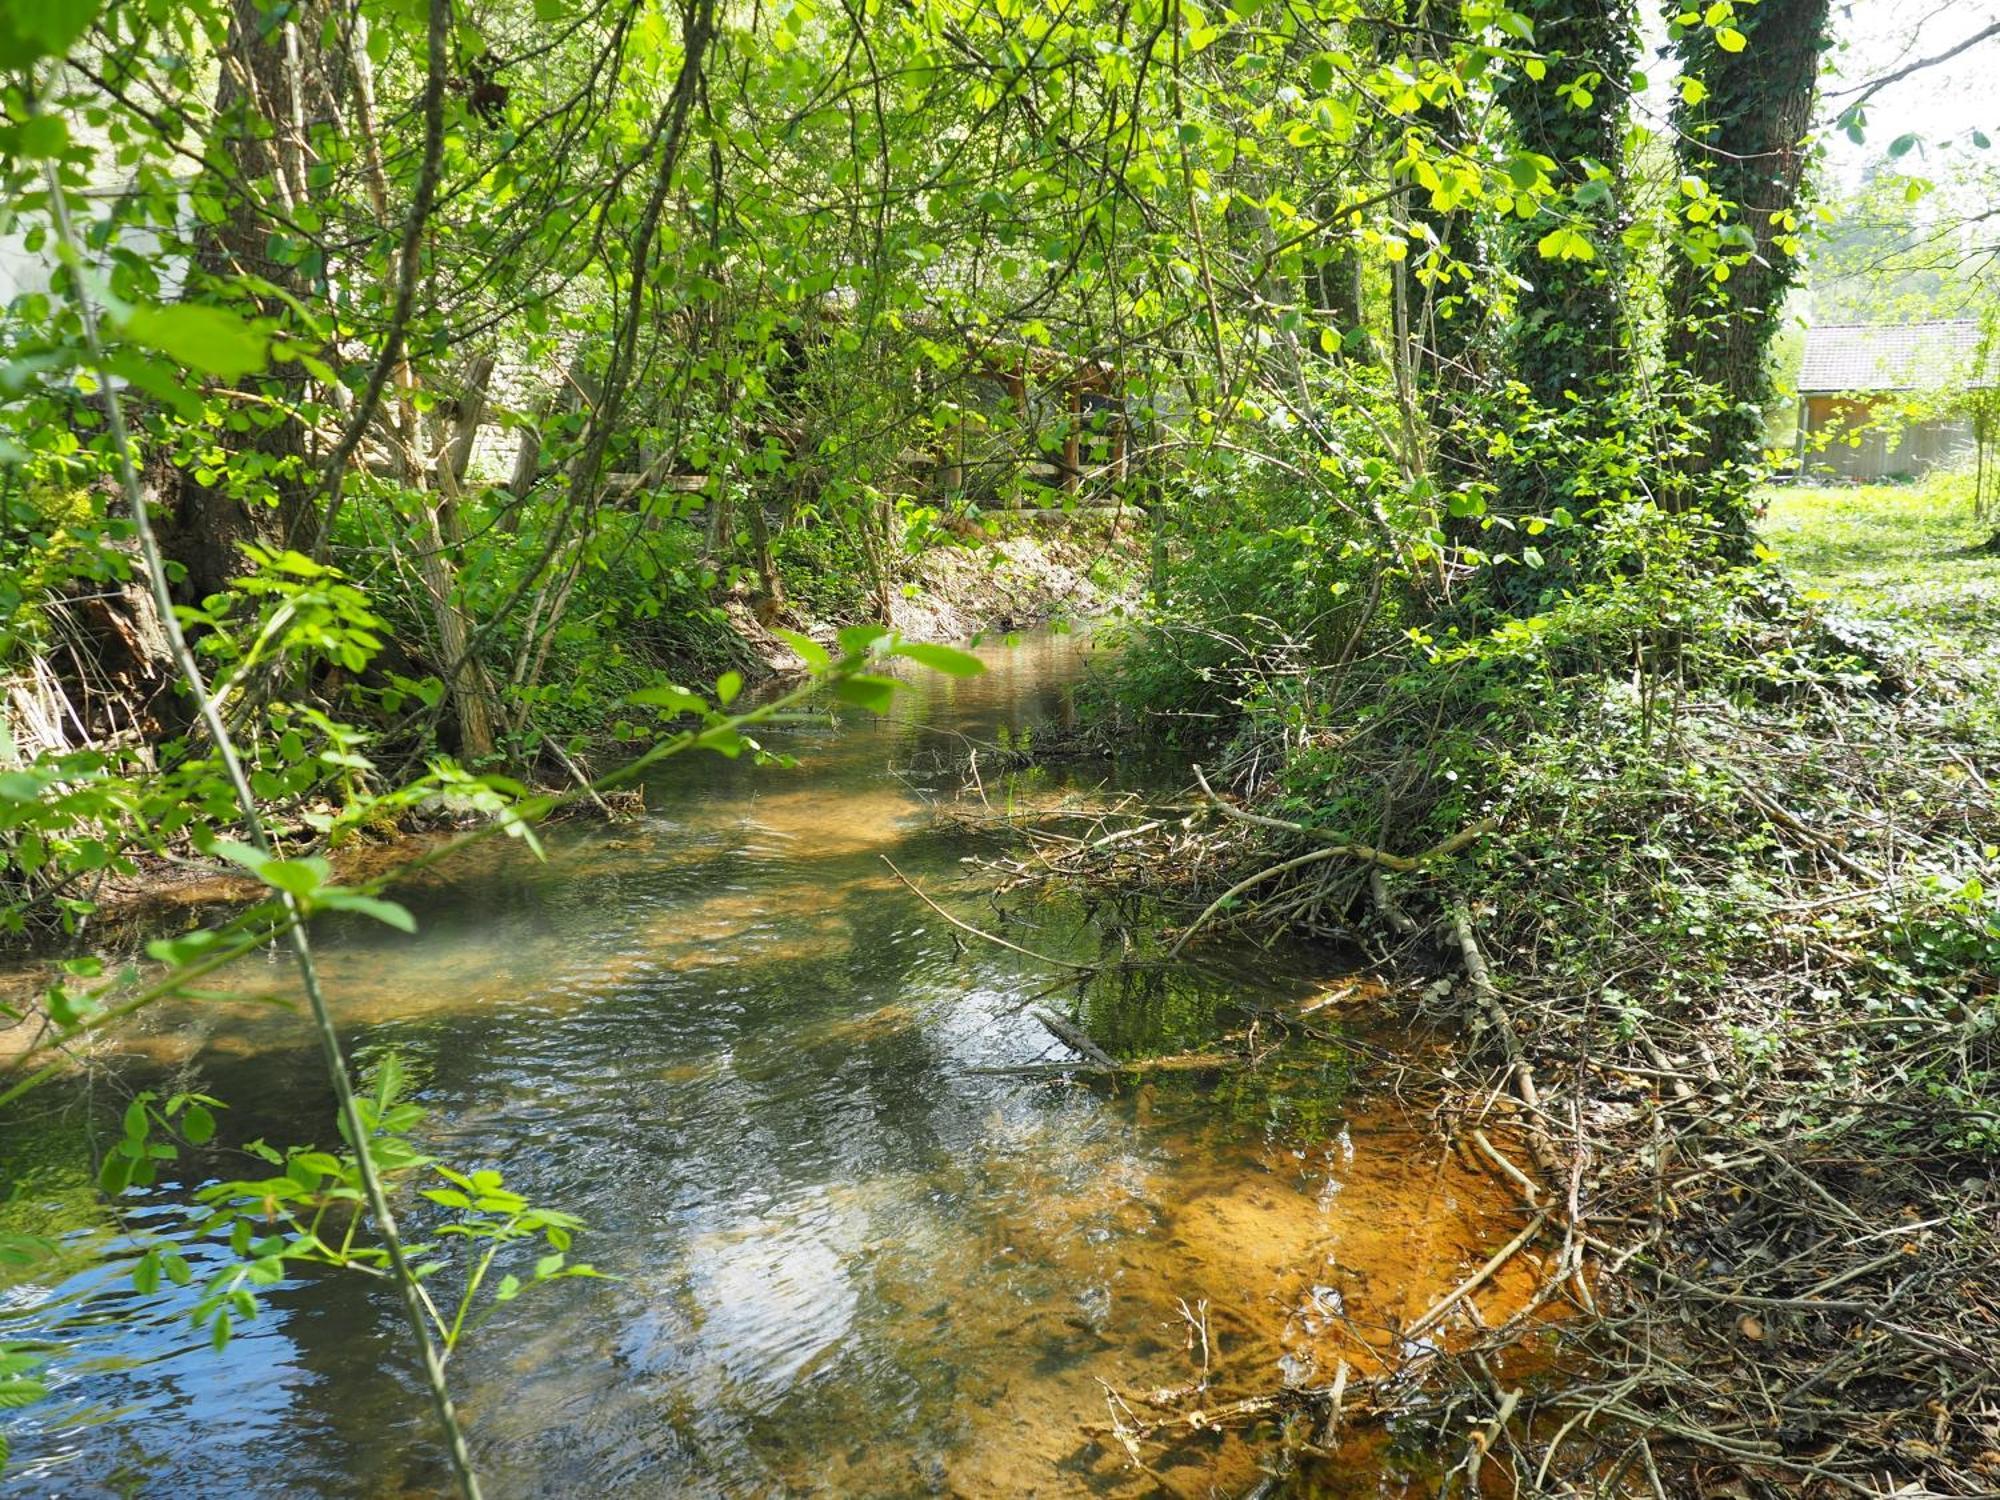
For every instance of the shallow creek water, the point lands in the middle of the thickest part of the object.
(847, 1261)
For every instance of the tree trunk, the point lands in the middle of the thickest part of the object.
(1568, 343)
(259, 112)
(1453, 280)
(1746, 139)
(1334, 285)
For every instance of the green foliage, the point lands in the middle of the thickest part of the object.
(1409, 340)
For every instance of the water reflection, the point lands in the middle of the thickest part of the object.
(851, 1259)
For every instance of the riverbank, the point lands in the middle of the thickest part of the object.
(1029, 573)
(865, 1231)
(1725, 953)
(959, 589)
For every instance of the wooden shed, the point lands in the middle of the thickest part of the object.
(1864, 408)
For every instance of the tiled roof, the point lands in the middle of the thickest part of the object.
(1888, 356)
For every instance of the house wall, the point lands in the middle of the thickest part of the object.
(1862, 453)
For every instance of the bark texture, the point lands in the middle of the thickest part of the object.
(1747, 140)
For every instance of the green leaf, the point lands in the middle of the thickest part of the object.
(15, 1394)
(33, 29)
(389, 913)
(42, 136)
(946, 659)
(1729, 39)
(20, 786)
(676, 700)
(810, 651)
(872, 693)
(855, 640)
(241, 854)
(1565, 243)
(266, 1270)
(115, 1175)
(727, 686)
(211, 339)
(198, 1125)
(296, 877)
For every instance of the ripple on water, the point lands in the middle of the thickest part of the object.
(847, 1261)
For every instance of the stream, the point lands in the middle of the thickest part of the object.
(849, 1254)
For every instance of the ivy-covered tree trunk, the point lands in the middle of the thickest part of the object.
(1454, 280)
(1745, 110)
(1568, 344)
(259, 155)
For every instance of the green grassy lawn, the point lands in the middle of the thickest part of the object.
(1899, 553)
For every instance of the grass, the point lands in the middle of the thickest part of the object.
(1903, 554)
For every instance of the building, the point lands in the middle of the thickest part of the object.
(1871, 398)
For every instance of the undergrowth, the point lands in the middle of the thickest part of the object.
(1739, 889)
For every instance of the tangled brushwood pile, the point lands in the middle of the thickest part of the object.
(1724, 920)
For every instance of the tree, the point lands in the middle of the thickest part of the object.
(1568, 344)
(1744, 116)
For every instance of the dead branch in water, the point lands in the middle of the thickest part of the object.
(1362, 852)
(1072, 1036)
(1366, 853)
(981, 933)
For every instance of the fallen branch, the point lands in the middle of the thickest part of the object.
(1182, 1062)
(1405, 863)
(1476, 1280)
(994, 938)
(1520, 1074)
(1817, 840)
(1363, 852)
(1072, 1036)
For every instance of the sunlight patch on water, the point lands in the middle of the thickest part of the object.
(850, 1258)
